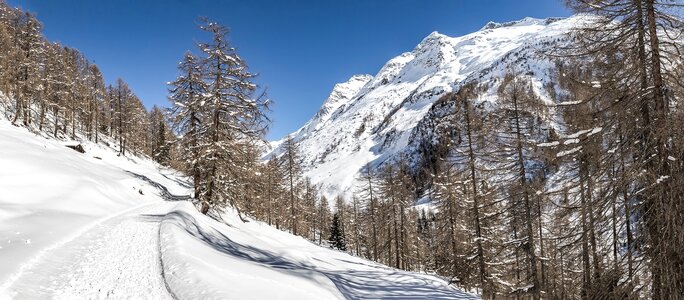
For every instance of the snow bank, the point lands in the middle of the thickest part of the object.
(205, 258)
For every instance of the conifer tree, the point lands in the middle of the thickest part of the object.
(291, 162)
(368, 193)
(188, 116)
(337, 239)
(235, 118)
(323, 218)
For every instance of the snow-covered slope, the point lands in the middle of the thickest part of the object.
(381, 119)
(97, 225)
(206, 259)
(56, 208)
(340, 96)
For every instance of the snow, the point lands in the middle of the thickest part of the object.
(568, 152)
(567, 103)
(257, 261)
(549, 144)
(583, 132)
(73, 226)
(661, 179)
(524, 22)
(571, 141)
(117, 258)
(595, 131)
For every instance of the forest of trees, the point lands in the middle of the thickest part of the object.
(54, 90)
(520, 209)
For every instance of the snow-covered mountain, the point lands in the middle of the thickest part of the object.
(373, 119)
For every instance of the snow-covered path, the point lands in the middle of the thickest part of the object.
(96, 225)
(116, 258)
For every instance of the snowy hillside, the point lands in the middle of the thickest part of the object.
(98, 225)
(204, 258)
(372, 123)
(69, 221)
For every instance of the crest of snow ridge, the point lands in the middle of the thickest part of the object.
(523, 22)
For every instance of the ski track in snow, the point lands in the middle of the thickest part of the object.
(118, 258)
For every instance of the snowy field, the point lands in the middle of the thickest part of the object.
(96, 225)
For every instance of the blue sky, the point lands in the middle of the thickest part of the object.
(300, 49)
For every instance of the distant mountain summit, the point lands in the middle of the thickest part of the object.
(524, 22)
(373, 119)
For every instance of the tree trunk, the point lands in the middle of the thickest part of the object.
(374, 238)
(476, 203)
(528, 205)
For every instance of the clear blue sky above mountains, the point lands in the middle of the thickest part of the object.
(299, 48)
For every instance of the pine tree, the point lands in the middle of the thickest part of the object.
(274, 182)
(158, 132)
(519, 114)
(355, 225)
(234, 117)
(291, 162)
(308, 212)
(337, 239)
(187, 115)
(96, 97)
(368, 193)
(30, 51)
(323, 218)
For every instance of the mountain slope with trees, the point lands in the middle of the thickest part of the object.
(549, 152)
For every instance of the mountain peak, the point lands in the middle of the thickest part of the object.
(527, 21)
(361, 77)
(432, 38)
(341, 94)
(435, 34)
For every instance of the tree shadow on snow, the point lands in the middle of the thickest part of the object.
(353, 284)
(162, 189)
(180, 182)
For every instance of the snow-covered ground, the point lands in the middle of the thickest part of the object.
(97, 225)
(204, 258)
(64, 216)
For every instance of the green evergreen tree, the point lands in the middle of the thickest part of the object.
(337, 240)
(162, 148)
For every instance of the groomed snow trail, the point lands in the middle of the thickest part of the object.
(117, 258)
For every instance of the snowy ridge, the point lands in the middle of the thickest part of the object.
(341, 94)
(524, 22)
(383, 119)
